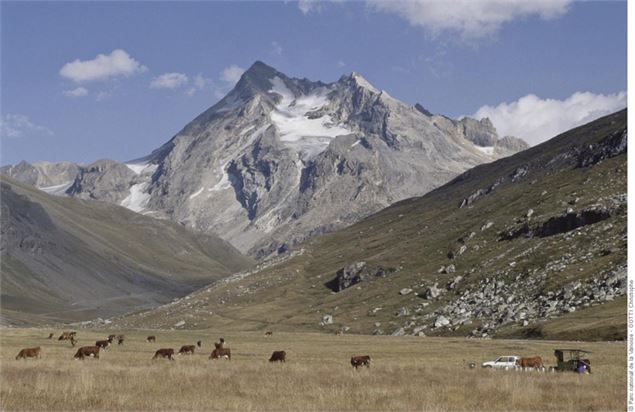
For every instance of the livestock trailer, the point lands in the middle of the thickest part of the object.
(572, 360)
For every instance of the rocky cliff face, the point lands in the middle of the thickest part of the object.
(281, 159)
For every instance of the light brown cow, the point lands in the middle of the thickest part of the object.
(87, 352)
(151, 339)
(187, 350)
(278, 356)
(164, 353)
(357, 361)
(67, 335)
(221, 353)
(534, 362)
(29, 353)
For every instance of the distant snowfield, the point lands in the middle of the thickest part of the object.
(140, 168)
(488, 150)
(305, 135)
(138, 199)
(57, 190)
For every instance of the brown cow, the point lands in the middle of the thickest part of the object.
(29, 353)
(103, 344)
(199, 343)
(120, 339)
(268, 333)
(164, 353)
(87, 352)
(187, 350)
(151, 339)
(221, 353)
(535, 362)
(278, 356)
(51, 335)
(357, 361)
(66, 335)
(111, 337)
(73, 341)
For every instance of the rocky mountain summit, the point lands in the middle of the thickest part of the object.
(279, 160)
(532, 245)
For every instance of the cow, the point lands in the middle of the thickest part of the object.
(357, 361)
(535, 362)
(187, 350)
(278, 356)
(51, 335)
(73, 341)
(199, 343)
(66, 335)
(103, 344)
(120, 339)
(221, 353)
(164, 353)
(29, 353)
(151, 339)
(268, 333)
(87, 352)
(111, 337)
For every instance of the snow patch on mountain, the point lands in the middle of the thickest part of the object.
(138, 198)
(57, 190)
(306, 135)
(198, 192)
(142, 168)
(488, 150)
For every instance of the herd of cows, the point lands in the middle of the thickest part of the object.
(220, 350)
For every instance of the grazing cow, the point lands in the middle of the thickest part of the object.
(73, 341)
(268, 333)
(535, 362)
(87, 352)
(103, 344)
(66, 335)
(357, 361)
(221, 353)
(151, 339)
(199, 343)
(278, 356)
(187, 350)
(164, 353)
(111, 337)
(51, 336)
(120, 340)
(29, 353)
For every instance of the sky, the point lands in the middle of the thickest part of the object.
(93, 80)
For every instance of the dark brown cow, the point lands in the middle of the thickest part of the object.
(278, 356)
(187, 350)
(268, 333)
(87, 352)
(164, 353)
(535, 362)
(51, 336)
(103, 344)
(199, 343)
(29, 353)
(151, 339)
(111, 337)
(357, 361)
(120, 340)
(221, 353)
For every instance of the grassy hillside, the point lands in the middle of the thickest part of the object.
(521, 232)
(406, 373)
(66, 259)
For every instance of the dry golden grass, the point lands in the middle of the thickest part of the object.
(407, 373)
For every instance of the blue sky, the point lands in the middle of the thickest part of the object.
(535, 69)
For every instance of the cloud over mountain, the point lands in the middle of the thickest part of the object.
(117, 63)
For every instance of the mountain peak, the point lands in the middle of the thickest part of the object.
(360, 81)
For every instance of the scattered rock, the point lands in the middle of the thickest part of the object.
(405, 291)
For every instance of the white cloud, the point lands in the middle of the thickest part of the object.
(77, 92)
(18, 125)
(276, 48)
(169, 81)
(471, 19)
(199, 83)
(307, 6)
(536, 120)
(117, 63)
(231, 74)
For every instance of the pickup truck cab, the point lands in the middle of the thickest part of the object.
(502, 362)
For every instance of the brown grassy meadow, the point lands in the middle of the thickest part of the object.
(408, 373)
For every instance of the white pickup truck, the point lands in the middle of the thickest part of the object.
(502, 362)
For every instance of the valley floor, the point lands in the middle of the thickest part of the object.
(407, 373)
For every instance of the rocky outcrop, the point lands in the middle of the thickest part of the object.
(356, 273)
(611, 146)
